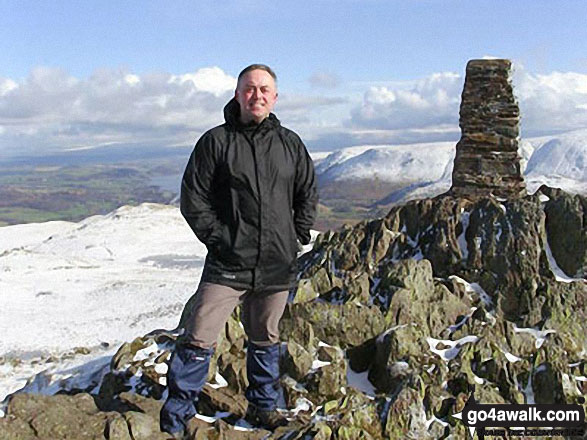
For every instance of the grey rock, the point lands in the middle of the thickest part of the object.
(141, 426)
(118, 429)
(298, 361)
(566, 225)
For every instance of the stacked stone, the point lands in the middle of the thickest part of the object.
(487, 159)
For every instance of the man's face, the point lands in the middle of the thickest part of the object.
(256, 94)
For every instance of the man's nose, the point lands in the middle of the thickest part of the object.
(256, 93)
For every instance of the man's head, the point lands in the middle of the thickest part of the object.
(256, 92)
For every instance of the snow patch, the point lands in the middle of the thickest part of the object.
(161, 368)
(510, 357)
(84, 377)
(147, 352)
(556, 270)
(539, 335)
(219, 380)
(447, 354)
(91, 284)
(319, 364)
(302, 404)
(360, 381)
(207, 419)
(435, 419)
(473, 288)
(409, 163)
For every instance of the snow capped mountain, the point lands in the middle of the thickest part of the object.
(559, 161)
(564, 155)
(402, 163)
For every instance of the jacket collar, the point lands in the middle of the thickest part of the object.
(232, 117)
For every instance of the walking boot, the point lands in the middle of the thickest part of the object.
(268, 419)
(263, 390)
(186, 376)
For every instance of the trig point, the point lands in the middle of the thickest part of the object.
(487, 159)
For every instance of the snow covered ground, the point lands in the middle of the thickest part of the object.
(91, 285)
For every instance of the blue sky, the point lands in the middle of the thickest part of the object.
(350, 71)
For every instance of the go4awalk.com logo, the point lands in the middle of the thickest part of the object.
(522, 420)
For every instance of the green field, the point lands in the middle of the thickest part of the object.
(38, 194)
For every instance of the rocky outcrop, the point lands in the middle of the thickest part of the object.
(398, 321)
(487, 159)
(566, 223)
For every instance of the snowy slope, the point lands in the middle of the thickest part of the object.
(401, 163)
(563, 155)
(92, 284)
(560, 161)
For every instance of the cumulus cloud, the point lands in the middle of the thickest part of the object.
(431, 101)
(53, 108)
(208, 79)
(6, 85)
(548, 103)
(553, 102)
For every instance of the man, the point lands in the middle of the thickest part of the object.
(249, 194)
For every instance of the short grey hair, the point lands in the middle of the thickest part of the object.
(264, 67)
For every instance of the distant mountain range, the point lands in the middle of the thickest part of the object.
(424, 170)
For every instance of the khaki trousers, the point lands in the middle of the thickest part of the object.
(213, 305)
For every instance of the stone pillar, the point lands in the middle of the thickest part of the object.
(487, 159)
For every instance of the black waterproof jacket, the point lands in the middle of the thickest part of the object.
(248, 192)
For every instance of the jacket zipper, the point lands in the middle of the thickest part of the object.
(252, 144)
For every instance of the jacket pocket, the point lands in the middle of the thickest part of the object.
(216, 238)
(222, 244)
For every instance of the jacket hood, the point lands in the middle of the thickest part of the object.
(232, 114)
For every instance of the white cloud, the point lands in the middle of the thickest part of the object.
(208, 79)
(553, 102)
(51, 109)
(7, 85)
(132, 79)
(54, 109)
(548, 102)
(432, 101)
